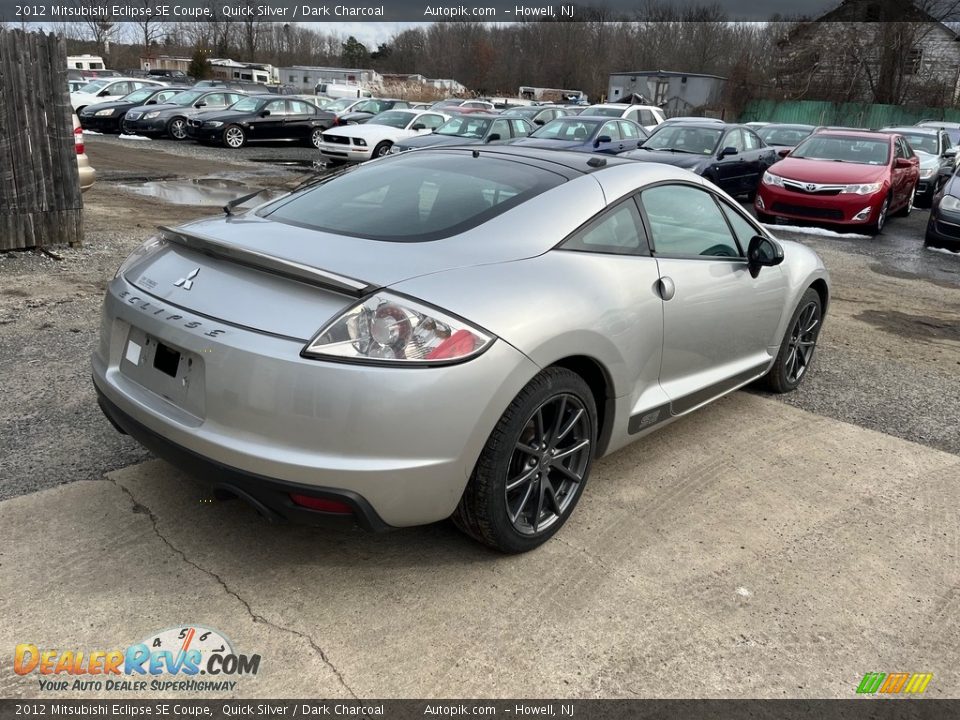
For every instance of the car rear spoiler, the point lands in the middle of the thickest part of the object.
(267, 263)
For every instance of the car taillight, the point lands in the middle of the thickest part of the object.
(78, 140)
(321, 504)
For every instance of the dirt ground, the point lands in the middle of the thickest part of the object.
(889, 356)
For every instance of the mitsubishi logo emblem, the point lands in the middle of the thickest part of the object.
(187, 282)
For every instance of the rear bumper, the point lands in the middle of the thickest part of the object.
(269, 496)
(101, 124)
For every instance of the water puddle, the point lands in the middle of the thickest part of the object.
(318, 165)
(203, 192)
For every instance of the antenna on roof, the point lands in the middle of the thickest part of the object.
(597, 162)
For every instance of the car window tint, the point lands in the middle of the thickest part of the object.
(686, 221)
(611, 130)
(742, 228)
(647, 118)
(734, 139)
(414, 197)
(431, 121)
(520, 128)
(299, 108)
(618, 231)
(501, 128)
(628, 131)
(750, 141)
(216, 100)
(277, 107)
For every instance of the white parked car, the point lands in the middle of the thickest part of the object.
(647, 115)
(373, 139)
(108, 89)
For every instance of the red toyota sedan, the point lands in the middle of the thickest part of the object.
(842, 177)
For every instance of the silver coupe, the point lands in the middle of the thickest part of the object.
(449, 332)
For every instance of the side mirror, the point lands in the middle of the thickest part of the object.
(419, 126)
(783, 153)
(600, 140)
(538, 122)
(264, 113)
(151, 102)
(492, 138)
(103, 93)
(201, 103)
(729, 150)
(640, 143)
(902, 163)
(950, 152)
(762, 252)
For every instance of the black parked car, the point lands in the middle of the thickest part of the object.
(262, 117)
(366, 109)
(170, 119)
(784, 137)
(472, 129)
(108, 117)
(943, 227)
(730, 156)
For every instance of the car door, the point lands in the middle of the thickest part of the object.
(757, 158)
(730, 169)
(267, 124)
(499, 131)
(520, 128)
(212, 101)
(614, 246)
(719, 323)
(630, 135)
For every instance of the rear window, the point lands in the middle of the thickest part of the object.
(414, 199)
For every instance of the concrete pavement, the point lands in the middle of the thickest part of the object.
(752, 549)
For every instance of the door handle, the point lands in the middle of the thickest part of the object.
(666, 288)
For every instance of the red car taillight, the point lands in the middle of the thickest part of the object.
(321, 504)
(78, 140)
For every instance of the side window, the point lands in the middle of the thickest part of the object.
(520, 128)
(898, 149)
(277, 107)
(685, 221)
(907, 150)
(611, 130)
(431, 122)
(618, 231)
(733, 139)
(751, 141)
(628, 131)
(234, 97)
(647, 118)
(742, 228)
(299, 108)
(501, 128)
(215, 100)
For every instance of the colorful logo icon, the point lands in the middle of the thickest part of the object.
(892, 683)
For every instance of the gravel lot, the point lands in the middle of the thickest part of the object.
(889, 356)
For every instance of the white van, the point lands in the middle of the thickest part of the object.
(335, 91)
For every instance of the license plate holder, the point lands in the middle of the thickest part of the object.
(174, 373)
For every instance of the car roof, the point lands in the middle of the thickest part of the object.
(788, 126)
(912, 129)
(706, 124)
(847, 132)
(574, 163)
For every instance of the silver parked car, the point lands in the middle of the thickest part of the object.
(450, 331)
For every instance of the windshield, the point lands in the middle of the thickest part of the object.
(702, 141)
(185, 98)
(412, 198)
(139, 95)
(341, 104)
(603, 111)
(783, 136)
(373, 106)
(93, 87)
(922, 141)
(392, 118)
(465, 126)
(248, 104)
(528, 113)
(563, 129)
(852, 149)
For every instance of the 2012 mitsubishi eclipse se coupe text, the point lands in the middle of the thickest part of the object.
(449, 332)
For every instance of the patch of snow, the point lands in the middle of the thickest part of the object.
(743, 592)
(133, 137)
(944, 251)
(91, 132)
(822, 232)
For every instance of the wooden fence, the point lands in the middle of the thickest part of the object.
(40, 201)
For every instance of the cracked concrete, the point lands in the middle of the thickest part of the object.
(752, 549)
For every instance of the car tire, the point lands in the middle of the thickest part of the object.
(544, 443)
(381, 149)
(234, 137)
(795, 355)
(316, 138)
(908, 208)
(877, 226)
(177, 128)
